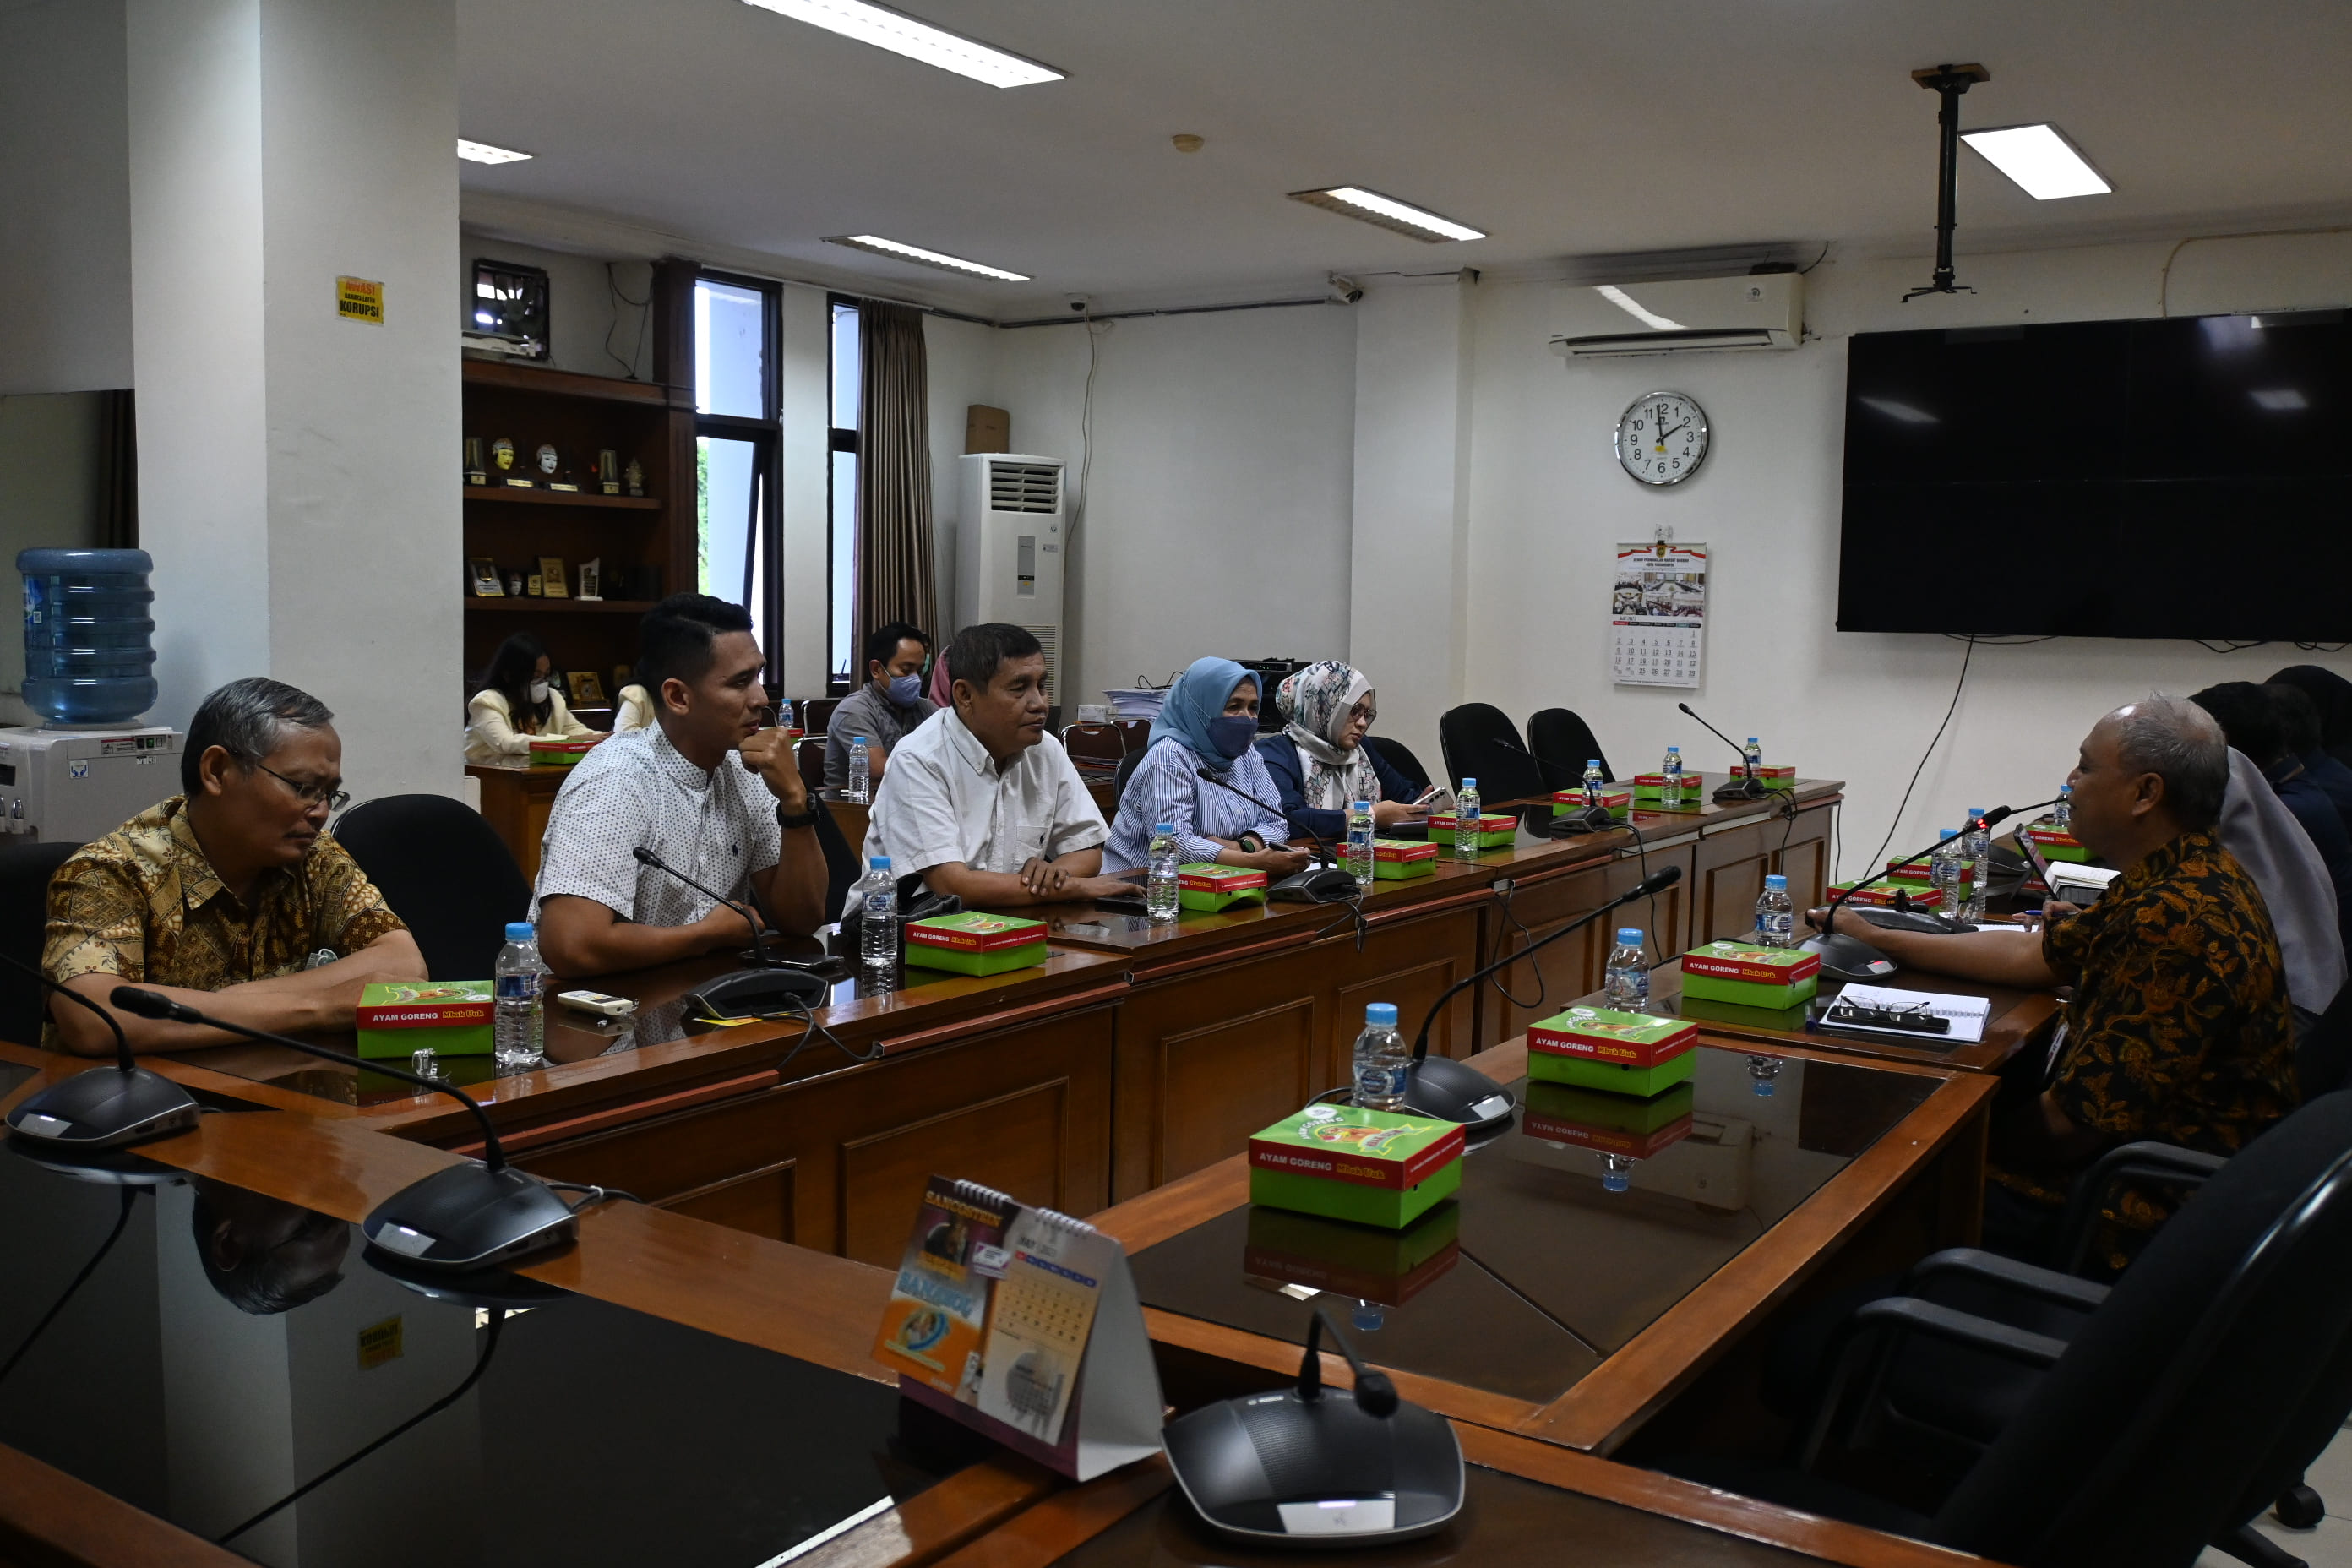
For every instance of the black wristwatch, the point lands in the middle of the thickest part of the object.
(786, 821)
(1251, 843)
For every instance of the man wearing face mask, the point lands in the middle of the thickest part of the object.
(983, 803)
(1209, 720)
(886, 708)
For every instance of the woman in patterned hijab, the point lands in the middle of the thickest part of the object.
(1320, 762)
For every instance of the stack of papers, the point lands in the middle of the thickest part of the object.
(1136, 701)
(1967, 1015)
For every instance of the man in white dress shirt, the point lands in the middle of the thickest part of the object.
(981, 801)
(707, 788)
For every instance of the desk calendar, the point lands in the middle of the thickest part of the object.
(1001, 1313)
(1658, 614)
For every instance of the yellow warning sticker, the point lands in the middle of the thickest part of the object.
(359, 299)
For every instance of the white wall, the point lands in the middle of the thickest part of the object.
(962, 359)
(1548, 502)
(49, 487)
(65, 240)
(1222, 484)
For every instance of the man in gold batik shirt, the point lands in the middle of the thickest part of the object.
(220, 896)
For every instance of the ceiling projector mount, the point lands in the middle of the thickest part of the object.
(1948, 82)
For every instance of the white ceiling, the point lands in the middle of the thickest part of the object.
(1567, 129)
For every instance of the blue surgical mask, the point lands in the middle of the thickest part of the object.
(904, 688)
(1231, 735)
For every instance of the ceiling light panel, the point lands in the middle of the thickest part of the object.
(903, 35)
(905, 252)
(1403, 217)
(2040, 159)
(483, 152)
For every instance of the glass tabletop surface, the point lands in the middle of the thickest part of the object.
(569, 1036)
(1537, 1271)
(202, 1353)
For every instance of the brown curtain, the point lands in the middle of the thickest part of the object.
(118, 471)
(895, 575)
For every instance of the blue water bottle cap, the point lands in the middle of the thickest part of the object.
(1777, 882)
(518, 931)
(1380, 1014)
(1752, 740)
(1164, 827)
(1363, 805)
(1469, 784)
(879, 863)
(1673, 751)
(1948, 833)
(1592, 761)
(1976, 811)
(1629, 936)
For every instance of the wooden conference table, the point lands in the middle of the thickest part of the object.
(731, 1406)
(1138, 1055)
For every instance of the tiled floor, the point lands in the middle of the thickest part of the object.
(2329, 1546)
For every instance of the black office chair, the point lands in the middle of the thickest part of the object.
(843, 862)
(2191, 1394)
(1127, 771)
(445, 872)
(2323, 1062)
(24, 873)
(1399, 755)
(1481, 743)
(1563, 743)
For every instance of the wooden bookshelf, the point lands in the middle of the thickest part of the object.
(649, 422)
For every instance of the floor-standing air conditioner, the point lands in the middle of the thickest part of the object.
(1009, 551)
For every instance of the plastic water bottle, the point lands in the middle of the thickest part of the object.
(1626, 981)
(1382, 1063)
(89, 657)
(1161, 898)
(878, 921)
(1467, 814)
(1943, 870)
(1359, 842)
(784, 713)
(518, 1027)
(1754, 755)
(1977, 853)
(1592, 782)
(1776, 914)
(2062, 813)
(1672, 768)
(859, 784)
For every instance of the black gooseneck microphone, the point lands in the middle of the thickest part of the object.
(104, 1108)
(767, 987)
(1375, 1395)
(466, 1216)
(1993, 819)
(1565, 820)
(1331, 885)
(1456, 1092)
(1740, 786)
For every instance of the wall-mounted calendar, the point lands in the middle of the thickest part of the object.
(1658, 614)
(1001, 1313)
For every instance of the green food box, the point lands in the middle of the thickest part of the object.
(2055, 843)
(448, 1017)
(1918, 873)
(1611, 1123)
(1205, 885)
(1619, 803)
(1393, 859)
(1653, 787)
(1783, 779)
(1881, 894)
(1751, 974)
(547, 752)
(1493, 832)
(1622, 1053)
(976, 943)
(1390, 1267)
(1370, 1166)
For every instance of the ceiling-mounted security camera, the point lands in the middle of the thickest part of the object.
(1079, 304)
(1345, 290)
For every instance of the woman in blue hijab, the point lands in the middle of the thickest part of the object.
(1209, 720)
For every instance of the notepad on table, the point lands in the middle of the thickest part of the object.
(1965, 1015)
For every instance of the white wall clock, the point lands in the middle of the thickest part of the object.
(1662, 437)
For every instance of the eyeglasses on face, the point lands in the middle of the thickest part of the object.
(309, 794)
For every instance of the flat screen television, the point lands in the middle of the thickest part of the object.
(2184, 477)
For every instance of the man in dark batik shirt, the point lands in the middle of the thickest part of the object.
(2178, 1028)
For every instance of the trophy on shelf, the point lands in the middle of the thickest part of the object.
(502, 454)
(591, 579)
(476, 474)
(608, 471)
(514, 584)
(635, 476)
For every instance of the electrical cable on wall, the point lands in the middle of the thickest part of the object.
(1085, 440)
(644, 310)
(1958, 687)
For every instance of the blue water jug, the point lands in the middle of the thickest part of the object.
(90, 653)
